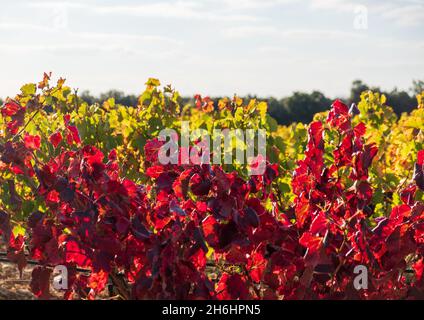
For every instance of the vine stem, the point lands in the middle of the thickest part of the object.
(26, 124)
(3, 258)
(120, 286)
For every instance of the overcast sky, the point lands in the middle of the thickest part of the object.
(213, 47)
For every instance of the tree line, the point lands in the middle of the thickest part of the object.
(299, 107)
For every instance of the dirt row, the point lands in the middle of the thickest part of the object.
(12, 286)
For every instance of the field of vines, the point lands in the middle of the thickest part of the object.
(81, 186)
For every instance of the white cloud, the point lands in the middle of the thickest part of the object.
(254, 4)
(6, 26)
(125, 37)
(56, 4)
(320, 34)
(179, 9)
(403, 13)
(92, 36)
(54, 48)
(77, 50)
(294, 34)
(337, 5)
(250, 31)
(409, 15)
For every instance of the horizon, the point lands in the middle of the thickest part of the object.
(213, 48)
(344, 96)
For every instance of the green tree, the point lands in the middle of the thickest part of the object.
(300, 107)
(417, 87)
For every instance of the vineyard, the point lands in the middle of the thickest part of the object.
(81, 186)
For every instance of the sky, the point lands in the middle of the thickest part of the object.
(213, 47)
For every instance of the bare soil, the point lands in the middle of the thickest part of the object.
(12, 286)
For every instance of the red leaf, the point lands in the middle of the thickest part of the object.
(420, 160)
(98, 280)
(210, 230)
(418, 267)
(419, 171)
(313, 243)
(55, 139)
(360, 130)
(32, 142)
(73, 135)
(315, 134)
(199, 186)
(40, 282)
(53, 196)
(75, 254)
(340, 108)
(13, 126)
(339, 116)
(155, 171)
(112, 155)
(10, 108)
(151, 150)
(66, 119)
(399, 212)
(408, 194)
(232, 287)
(199, 259)
(319, 225)
(257, 265)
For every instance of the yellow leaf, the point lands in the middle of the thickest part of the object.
(238, 101)
(262, 107)
(383, 99)
(420, 99)
(152, 82)
(18, 230)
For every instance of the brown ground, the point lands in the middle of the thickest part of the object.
(12, 287)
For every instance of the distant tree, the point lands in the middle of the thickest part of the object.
(401, 101)
(87, 97)
(300, 107)
(120, 97)
(417, 87)
(357, 88)
(277, 110)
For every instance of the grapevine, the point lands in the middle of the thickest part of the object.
(82, 186)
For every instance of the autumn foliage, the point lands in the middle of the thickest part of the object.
(206, 232)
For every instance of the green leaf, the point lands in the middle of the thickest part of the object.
(152, 82)
(272, 124)
(263, 108)
(18, 230)
(109, 103)
(284, 187)
(239, 115)
(29, 89)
